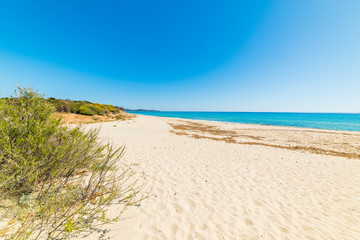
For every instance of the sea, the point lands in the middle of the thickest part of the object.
(331, 121)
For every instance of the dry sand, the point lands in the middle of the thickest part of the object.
(72, 118)
(204, 185)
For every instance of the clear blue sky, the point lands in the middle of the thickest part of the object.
(229, 55)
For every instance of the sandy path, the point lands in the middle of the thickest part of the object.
(206, 189)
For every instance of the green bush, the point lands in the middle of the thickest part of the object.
(90, 110)
(55, 181)
(103, 108)
(86, 110)
(98, 110)
(110, 108)
(75, 107)
(60, 105)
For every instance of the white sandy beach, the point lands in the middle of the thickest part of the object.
(201, 188)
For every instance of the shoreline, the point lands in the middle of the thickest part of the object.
(257, 125)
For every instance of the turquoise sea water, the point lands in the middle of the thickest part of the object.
(332, 121)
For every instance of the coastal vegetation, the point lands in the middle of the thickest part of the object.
(84, 107)
(79, 112)
(83, 112)
(57, 181)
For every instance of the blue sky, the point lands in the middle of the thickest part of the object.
(205, 55)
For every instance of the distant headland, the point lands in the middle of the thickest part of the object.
(141, 110)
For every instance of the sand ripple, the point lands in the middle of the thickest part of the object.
(206, 189)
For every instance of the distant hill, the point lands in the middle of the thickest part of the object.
(141, 110)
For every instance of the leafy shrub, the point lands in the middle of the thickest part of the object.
(110, 108)
(106, 109)
(2, 102)
(86, 110)
(75, 107)
(98, 105)
(60, 105)
(55, 182)
(98, 110)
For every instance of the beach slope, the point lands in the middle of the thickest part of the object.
(208, 180)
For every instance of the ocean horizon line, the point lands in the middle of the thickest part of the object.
(329, 121)
(210, 111)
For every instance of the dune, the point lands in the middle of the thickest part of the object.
(263, 183)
